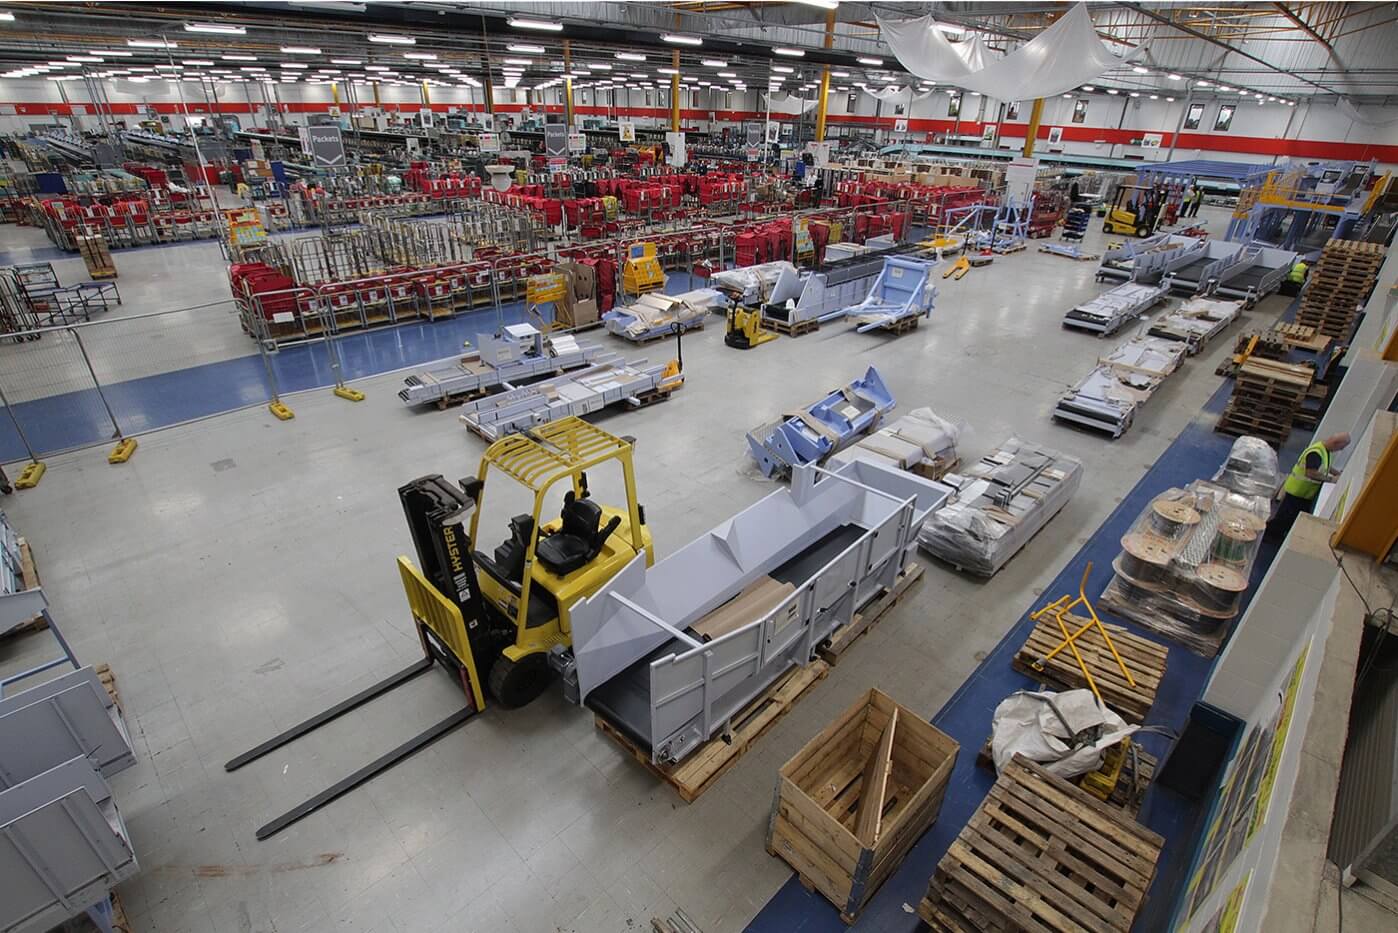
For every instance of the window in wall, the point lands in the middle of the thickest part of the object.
(1012, 110)
(1224, 119)
(728, 101)
(1195, 115)
(850, 105)
(648, 100)
(954, 105)
(1080, 110)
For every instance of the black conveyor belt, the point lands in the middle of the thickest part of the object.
(624, 701)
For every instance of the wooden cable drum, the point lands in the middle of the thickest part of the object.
(1170, 517)
(1233, 543)
(1145, 557)
(1220, 587)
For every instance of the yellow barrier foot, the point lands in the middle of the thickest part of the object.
(345, 392)
(281, 411)
(122, 451)
(31, 474)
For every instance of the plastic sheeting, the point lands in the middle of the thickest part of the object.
(1251, 468)
(1059, 59)
(896, 95)
(1068, 733)
(781, 100)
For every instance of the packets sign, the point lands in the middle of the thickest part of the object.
(542, 289)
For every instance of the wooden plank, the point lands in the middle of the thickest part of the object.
(874, 786)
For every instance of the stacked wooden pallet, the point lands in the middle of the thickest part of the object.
(96, 256)
(1143, 658)
(1339, 285)
(1040, 854)
(1266, 398)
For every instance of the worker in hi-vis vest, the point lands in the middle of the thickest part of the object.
(1297, 273)
(1303, 483)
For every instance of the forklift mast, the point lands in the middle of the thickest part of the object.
(437, 512)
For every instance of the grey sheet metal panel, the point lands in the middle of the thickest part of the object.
(67, 717)
(695, 692)
(449, 377)
(579, 392)
(63, 847)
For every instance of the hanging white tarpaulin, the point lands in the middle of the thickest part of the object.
(896, 95)
(784, 100)
(1059, 59)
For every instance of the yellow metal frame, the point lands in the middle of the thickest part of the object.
(542, 458)
(748, 322)
(443, 617)
(1371, 524)
(1060, 608)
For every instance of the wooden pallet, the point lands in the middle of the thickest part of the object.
(1040, 853)
(108, 679)
(839, 642)
(1144, 659)
(702, 768)
(799, 329)
(902, 325)
(1128, 794)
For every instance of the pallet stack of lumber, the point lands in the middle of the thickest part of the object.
(1266, 399)
(1339, 285)
(96, 256)
(1040, 854)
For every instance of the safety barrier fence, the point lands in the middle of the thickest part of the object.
(98, 382)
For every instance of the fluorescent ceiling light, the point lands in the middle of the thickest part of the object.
(168, 67)
(1112, 90)
(715, 63)
(727, 74)
(239, 58)
(1175, 77)
(7, 17)
(682, 40)
(782, 69)
(876, 62)
(292, 66)
(599, 67)
(667, 71)
(151, 44)
(1201, 84)
(1169, 100)
(421, 56)
(527, 49)
(345, 61)
(1134, 94)
(630, 56)
(376, 68)
(518, 61)
(83, 58)
(521, 22)
(1155, 97)
(223, 29)
(978, 93)
(111, 53)
(823, 4)
(299, 50)
(197, 61)
(640, 76)
(1088, 87)
(1067, 95)
(388, 39)
(790, 53)
(1139, 70)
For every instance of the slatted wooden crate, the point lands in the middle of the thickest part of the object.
(851, 803)
(1040, 854)
(1144, 659)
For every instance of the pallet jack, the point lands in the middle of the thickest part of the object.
(502, 632)
(744, 328)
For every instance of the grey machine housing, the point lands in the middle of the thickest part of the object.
(839, 538)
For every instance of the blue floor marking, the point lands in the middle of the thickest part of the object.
(20, 255)
(1195, 454)
(77, 419)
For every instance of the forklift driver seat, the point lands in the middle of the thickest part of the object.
(579, 540)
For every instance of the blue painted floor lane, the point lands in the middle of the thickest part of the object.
(1196, 453)
(76, 419)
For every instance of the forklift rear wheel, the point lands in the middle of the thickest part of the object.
(519, 683)
(1106, 228)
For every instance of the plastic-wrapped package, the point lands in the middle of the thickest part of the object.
(1065, 732)
(1251, 468)
(1186, 561)
(1002, 500)
(921, 441)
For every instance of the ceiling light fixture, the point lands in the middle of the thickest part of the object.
(7, 17)
(876, 62)
(599, 66)
(668, 71)
(1140, 70)
(1169, 100)
(682, 40)
(388, 39)
(1175, 77)
(1112, 90)
(782, 69)
(521, 22)
(197, 61)
(714, 63)
(151, 44)
(345, 61)
(1202, 84)
(299, 50)
(1089, 87)
(109, 53)
(790, 53)
(630, 56)
(239, 58)
(223, 29)
(421, 56)
(527, 49)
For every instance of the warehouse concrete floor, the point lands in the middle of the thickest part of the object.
(238, 574)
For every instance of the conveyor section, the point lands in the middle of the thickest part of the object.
(1109, 311)
(656, 315)
(1106, 399)
(1202, 273)
(577, 393)
(1196, 322)
(520, 355)
(832, 541)
(1258, 273)
(814, 432)
(1148, 261)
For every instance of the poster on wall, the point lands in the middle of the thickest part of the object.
(1012, 110)
(954, 105)
(1055, 136)
(1152, 140)
(1224, 119)
(988, 132)
(1195, 115)
(1080, 110)
(900, 125)
(626, 132)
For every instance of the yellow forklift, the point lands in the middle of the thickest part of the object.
(1127, 214)
(498, 614)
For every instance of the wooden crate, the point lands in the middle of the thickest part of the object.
(1040, 854)
(1144, 659)
(852, 802)
(702, 768)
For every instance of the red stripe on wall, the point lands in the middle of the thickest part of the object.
(1210, 142)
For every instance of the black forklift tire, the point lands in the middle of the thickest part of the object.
(518, 683)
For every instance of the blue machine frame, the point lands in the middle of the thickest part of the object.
(820, 429)
(903, 290)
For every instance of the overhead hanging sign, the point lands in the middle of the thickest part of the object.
(556, 140)
(754, 134)
(325, 145)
